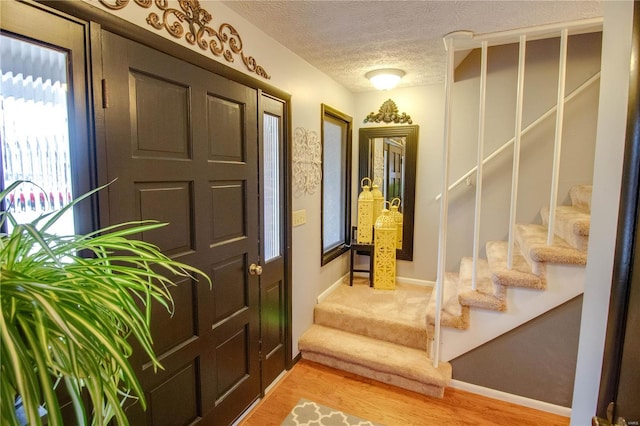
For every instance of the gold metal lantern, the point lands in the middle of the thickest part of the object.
(365, 213)
(398, 218)
(384, 264)
(378, 198)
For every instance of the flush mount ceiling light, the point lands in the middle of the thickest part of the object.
(385, 79)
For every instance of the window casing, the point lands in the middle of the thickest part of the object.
(336, 183)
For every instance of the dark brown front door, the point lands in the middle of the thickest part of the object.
(182, 144)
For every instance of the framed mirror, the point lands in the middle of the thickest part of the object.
(390, 153)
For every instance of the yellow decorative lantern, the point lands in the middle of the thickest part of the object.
(378, 198)
(365, 214)
(384, 264)
(397, 216)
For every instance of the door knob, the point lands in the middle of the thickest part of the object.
(255, 269)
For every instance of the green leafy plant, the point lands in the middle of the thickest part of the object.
(69, 320)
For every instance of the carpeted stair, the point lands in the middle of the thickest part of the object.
(379, 334)
(530, 259)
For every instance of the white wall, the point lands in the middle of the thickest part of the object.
(614, 89)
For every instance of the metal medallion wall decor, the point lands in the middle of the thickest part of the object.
(224, 42)
(388, 113)
(307, 161)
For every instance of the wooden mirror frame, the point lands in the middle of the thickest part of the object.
(410, 133)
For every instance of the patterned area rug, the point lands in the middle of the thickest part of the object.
(309, 413)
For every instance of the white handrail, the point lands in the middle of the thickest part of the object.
(540, 119)
(444, 205)
(481, 122)
(562, 74)
(467, 40)
(516, 150)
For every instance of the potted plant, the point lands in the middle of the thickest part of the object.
(69, 320)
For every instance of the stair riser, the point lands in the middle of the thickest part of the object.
(376, 328)
(388, 378)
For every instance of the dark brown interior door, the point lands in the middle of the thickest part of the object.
(182, 144)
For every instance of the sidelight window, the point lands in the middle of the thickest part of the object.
(35, 130)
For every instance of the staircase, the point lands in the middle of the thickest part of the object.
(386, 335)
(542, 277)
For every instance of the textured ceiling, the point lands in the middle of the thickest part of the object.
(345, 39)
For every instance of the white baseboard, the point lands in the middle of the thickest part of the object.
(413, 281)
(401, 280)
(331, 288)
(514, 399)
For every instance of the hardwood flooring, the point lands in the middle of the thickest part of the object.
(386, 404)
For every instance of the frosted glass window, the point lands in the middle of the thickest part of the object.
(35, 131)
(271, 184)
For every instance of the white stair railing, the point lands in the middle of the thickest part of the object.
(557, 147)
(479, 162)
(466, 41)
(444, 206)
(516, 150)
(584, 86)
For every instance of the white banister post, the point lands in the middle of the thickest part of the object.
(562, 74)
(444, 203)
(479, 161)
(516, 149)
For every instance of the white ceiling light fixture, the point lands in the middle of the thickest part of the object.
(386, 78)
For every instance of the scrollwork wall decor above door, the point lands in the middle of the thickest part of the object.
(224, 42)
(307, 161)
(388, 113)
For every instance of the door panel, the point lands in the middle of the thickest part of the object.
(272, 242)
(181, 143)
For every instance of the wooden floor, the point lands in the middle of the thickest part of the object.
(389, 405)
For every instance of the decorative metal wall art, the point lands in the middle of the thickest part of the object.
(307, 161)
(388, 113)
(224, 42)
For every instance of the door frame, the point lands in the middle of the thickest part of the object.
(627, 241)
(100, 20)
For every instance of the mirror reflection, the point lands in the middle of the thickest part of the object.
(388, 155)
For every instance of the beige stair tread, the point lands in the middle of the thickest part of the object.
(379, 356)
(520, 274)
(579, 220)
(487, 295)
(532, 240)
(581, 197)
(571, 224)
(377, 325)
(454, 314)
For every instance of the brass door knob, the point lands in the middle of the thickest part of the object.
(255, 269)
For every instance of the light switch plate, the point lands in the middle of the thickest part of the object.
(299, 217)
